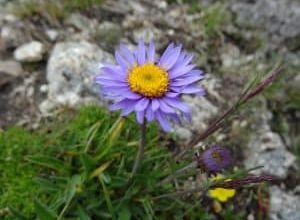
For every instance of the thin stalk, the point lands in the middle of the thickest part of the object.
(184, 169)
(182, 193)
(249, 94)
(141, 150)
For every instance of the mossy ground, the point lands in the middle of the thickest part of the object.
(77, 167)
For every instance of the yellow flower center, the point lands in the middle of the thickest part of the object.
(148, 80)
(217, 156)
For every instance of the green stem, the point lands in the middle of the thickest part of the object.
(141, 150)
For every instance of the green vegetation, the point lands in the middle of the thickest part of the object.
(54, 9)
(77, 167)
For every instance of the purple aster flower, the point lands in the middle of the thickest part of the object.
(215, 158)
(149, 86)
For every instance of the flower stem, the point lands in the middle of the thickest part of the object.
(242, 100)
(141, 150)
(202, 189)
(184, 169)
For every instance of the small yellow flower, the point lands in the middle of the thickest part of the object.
(221, 194)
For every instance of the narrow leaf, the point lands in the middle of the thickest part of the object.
(46, 161)
(100, 169)
(43, 212)
(16, 213)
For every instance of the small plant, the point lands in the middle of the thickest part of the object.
(96, 166)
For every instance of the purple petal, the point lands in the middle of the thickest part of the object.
(130, 95)
(172, 94)
(121, 61)
(175, 117)
(164, 107)
(155, 104)
(188, 58)
(194, 72)
(163, 121)
(187, 81)
(169, 60)
(149, 114)
(119, 91)
(193, 90)
(140, 53)
(216, 158)
(111, 83)
(121, 104)
(115, 89)
(177, 104)
(140, 117)
(187, 116)
(151, 53)
(114, 71)
(167, 52)
(174, 73)
(183, 60)
(127, 110)
(142, 104)
(127, 53)
(109, 77)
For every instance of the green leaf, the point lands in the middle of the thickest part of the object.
(16, 213)
(74, 184)
(148, 208)
(72, 187)
(107, 198)
(91, 135)
(111, 137)
(124, 213)
(82, 214)
(100, 169)
(87, 161)
(43, 212)
(48, 162)
(47, 185)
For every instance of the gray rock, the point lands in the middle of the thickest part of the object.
(52, 34)
(81, 22)
(80, 28)
(283, 205)
(108, 33)
(11, 36)
(148, 32)
(266, 148)
(11, 67)
(70, 73)
(30, 52)
(279, 18)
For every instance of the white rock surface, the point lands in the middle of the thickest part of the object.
(52, 34)
(71, 69)
(277, 17)
(81, 22)
(11, 67)
(284, 205)
(30, 52)
(11, 36)
(267, 149)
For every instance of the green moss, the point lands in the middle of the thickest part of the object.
(17, 188)
(55, 9)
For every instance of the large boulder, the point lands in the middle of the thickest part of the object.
(266, 148)
(71, 69)
(279, 18)
(284, 205)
